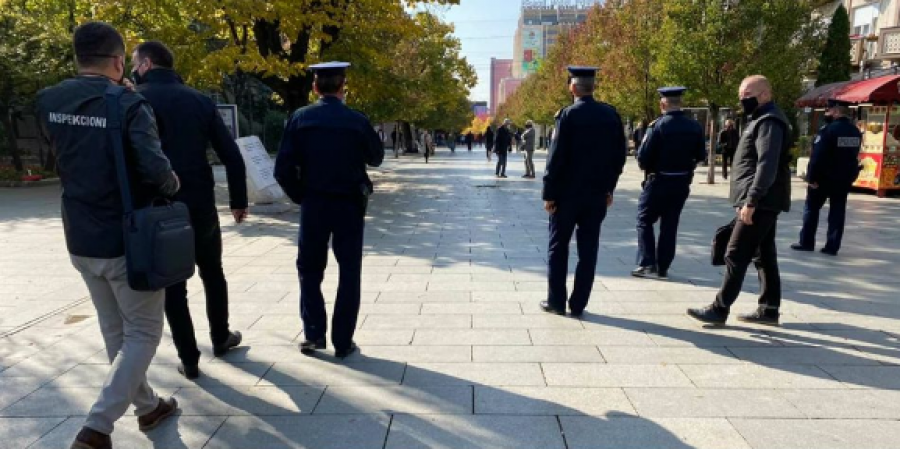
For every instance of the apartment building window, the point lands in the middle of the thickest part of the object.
(865, 19)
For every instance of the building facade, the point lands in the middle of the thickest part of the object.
(500, 69)
(874, 33)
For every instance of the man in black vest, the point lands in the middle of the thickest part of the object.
(833, 167)
(188, 124)
(760, 191)
(73, 117)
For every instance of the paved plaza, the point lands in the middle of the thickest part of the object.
(456, 353)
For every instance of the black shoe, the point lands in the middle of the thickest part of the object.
(576, 313)
(709, 314)
(503, 176)
(645, 272)
(346, 352)
(761, 316)
(828, 252)
(662, 274)
(191, 372)
(234, 339)
(546, 307)
(309, 347)
(799, 247)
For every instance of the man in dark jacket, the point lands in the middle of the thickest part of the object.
(489, 141)
(728, 142)
(760, 191)
(586, 159)
(188, 124)
(833, 167)
(73, 117)
(322, 166)
(502, 146)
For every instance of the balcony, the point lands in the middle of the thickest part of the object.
(889, 43)
(857, 50)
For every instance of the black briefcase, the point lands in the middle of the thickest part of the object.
(720, 243)
(159, 239)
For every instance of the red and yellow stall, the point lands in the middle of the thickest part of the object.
(878, 117)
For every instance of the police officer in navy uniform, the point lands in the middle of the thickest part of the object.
(586, 158)
(322, 166)
(669, 154)
(833, 167)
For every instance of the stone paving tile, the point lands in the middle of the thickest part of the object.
(471, 309)
(875, 377)
(496, 374)
(525, 322)
(301, 432)
(807, 356)
(315, 372)
(710, 403)
(504, 354)
(424, 297)
(260, 401)
(403, 399)
(853, 404)
(469, 337)
(557, 337)
(819, 433)
(403, 354)
(550, 401)
(21, 432)
(474, 432)
(247, 374)
(623, 432)
(379, 322)
(14, 389)
(667, 356)
(760, 377)
(603, 375)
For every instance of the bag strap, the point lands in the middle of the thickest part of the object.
(116, 140)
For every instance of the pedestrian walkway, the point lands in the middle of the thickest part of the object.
(456, 352)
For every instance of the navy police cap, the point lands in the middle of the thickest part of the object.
(330, 68)
(673, 91)
(577, 71)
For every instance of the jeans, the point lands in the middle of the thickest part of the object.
(132, 325)
(208, 250)
(754, 243)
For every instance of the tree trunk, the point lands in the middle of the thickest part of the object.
(711, 172)
(11, 142)
(408, 138)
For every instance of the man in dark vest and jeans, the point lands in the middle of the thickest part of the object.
(760, 191)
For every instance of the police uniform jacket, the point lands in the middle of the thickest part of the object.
(188, 124)
(324, 152)
(835, 157)
(73, 119)
(673, 146)
(587, 154)
(761, 173)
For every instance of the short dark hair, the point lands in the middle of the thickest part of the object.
(157, 53)
(329, 84)
(95, 43)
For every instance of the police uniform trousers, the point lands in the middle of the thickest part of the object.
(752, 243)
(583, 217)
(341, 219)
(837, 214)
(662, 200)
(208, 250)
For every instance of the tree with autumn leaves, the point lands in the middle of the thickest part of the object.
(407, 65)
(708, 46)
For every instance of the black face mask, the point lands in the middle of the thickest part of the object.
(136, 77)
(828, 119)
(749, 105)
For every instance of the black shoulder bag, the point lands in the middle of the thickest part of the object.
(159, 240)
(720, 243)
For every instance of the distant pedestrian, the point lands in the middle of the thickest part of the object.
(728, 142)
(669, 153)
(833, 168)
(470, 138)
(528, 148)
(502, 146)
(489, 142)
(586, 158)
(638, 135)
(760, 191)
(451, 142)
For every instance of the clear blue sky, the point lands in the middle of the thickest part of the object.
(486, 29)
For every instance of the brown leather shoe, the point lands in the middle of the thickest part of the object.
(153, 419)
(91, 439)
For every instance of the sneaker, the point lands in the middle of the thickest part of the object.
(152, 420)
(710, 314)
(663, 274)
(309, 347)
(645, 272)
(761, 316)
(799, 247)
(234, 340)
